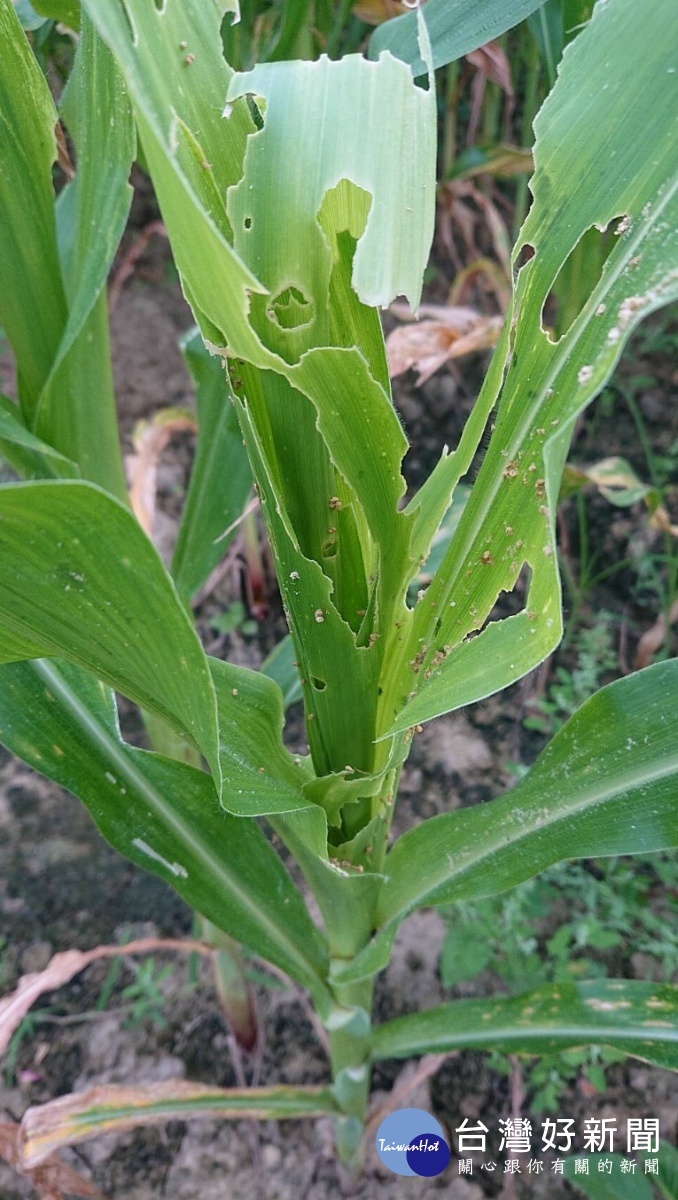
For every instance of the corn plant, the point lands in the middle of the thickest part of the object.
(299, 198)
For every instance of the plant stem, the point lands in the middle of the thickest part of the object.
(349, 1027)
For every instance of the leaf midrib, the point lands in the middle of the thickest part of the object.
(115, 750)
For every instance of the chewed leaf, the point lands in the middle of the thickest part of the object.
(393, 161)
(508, 522)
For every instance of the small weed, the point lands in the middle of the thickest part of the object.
(234, 618)
(568, 924)
(144, 996)
(595, 659)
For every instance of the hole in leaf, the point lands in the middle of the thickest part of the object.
(247, 223)
(319, 684)
(257, 108)
(525, 253)
(290, 309)
(345, 207)
(576, 279)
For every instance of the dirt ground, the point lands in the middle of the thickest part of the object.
(62, 887)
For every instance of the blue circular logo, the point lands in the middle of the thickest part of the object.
(405, 1150)
(428, 1154)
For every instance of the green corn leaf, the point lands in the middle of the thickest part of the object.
(76, 410)
(220, 478)
(54, 260)
(77, 406)
(280, 666)
(25, 453)
(32, 300)
(606, 784)
(259, 776)
(339, 678)
(80, 580)
(667, 1176)
(160, 813)
(455, 27)
(29, 18)
(290, 321)
(314, 96)
(117, 1108)
(507, 525)
(65, 11)
(639, 1018)
(601, 1185)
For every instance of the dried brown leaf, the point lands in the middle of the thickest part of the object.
(427, 345)
(490, 63)
(661, 520)
(375, 12)
(52, 1180)
(62, 967)
(118, 1108)
(653, 639)
(150, 439)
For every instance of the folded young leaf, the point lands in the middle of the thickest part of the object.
(606, 784)
(259, 776)
(32, 300)
(30, 457)
(220, 477)
(637, 1017)
(53, 272)
(80, 580)
(280, 666)
(160, 813)
(76, 410)
(393, 161)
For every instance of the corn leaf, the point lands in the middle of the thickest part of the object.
(507, 525)
(637, 1017)
(54, 259)
(604, 785)
(160, 813)
(220, 478)
(116, 1108)
(32, 299)
(299, 340)
(613, 767)
(62, 547)
(667, 1176)
(600, 1185)
(280, 666)
(66, 11)
(26, 454)
(455, 27)
(259, 775)
(80, 580)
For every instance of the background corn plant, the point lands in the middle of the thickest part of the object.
(298, 198)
